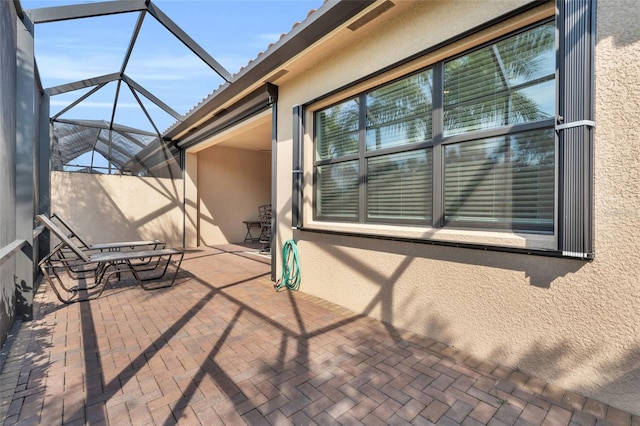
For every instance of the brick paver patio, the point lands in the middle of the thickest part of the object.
(222, 347)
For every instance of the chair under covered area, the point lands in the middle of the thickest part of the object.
(264, 213)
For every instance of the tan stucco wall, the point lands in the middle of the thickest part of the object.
(232, 183)
(572, 323)
(106, 208)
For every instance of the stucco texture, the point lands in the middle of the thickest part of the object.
(107, 208)
(232, 183)
(568, 322)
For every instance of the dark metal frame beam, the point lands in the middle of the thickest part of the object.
(132, 43)
(83, 84)
(80, 99)
(77, 11)
(61, 13)
(115, 104)
(146, 113)
(188, 41)
(132, 83)
(103, 125)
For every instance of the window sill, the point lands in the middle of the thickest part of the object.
(460, 236)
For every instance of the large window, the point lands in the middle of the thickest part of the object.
(468, 142)
(373, 159)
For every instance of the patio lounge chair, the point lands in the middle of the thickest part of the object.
(115, 246)
(105, 264)
(86, 270)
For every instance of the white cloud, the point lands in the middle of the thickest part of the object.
(233, 62)
(168, 67)
(268, 38)
(63, 68)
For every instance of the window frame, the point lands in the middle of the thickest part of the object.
(436, 144)
(363, 155)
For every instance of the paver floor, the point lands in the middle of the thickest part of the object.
(222, 347)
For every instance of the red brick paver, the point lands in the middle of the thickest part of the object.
(222, 347)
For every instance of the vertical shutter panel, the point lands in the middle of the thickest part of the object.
(576, 23)
(298, 137)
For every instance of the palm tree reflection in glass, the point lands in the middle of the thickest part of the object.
(505, 180)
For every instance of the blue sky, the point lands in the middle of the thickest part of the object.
(231, 31)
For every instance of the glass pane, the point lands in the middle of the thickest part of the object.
(337, 190)
(528, 56)
(400, 113)
(534, 102)
(399, 186)
(505, 83)
(505, 182)
(337, 130)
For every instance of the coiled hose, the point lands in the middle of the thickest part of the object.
(290, 267)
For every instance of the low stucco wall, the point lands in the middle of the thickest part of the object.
(232, 183)
(568, 322)
(106, 208)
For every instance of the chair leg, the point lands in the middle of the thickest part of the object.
(173, 279)
(55, 281)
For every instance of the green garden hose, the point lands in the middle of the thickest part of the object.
(290, 267)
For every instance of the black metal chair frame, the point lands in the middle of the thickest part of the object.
(265, 215)
(104, 265)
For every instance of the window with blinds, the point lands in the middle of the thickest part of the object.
(337, 130)
(505, 83)
(399, 186)
(490, 119)
(337, 190)
(399, 113)
(501, 182)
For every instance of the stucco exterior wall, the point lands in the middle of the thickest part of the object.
(232, 183)
(568, 322)
(106, 208)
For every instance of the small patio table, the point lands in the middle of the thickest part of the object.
(251, 224)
